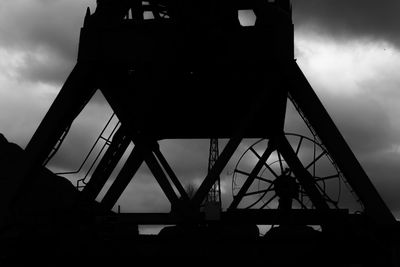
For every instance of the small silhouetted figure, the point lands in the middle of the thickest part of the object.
(287, 189)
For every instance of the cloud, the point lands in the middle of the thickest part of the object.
(46, 31)
(22, 103)
(38, 49)
(357, 83)
(350, 19)
(363, 122)
(347, 49)
(44, 66)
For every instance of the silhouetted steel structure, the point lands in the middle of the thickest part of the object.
(214, 195)
(157, 63)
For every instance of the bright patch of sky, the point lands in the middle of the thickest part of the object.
(344, 67)
(353, 70)
(22, 103)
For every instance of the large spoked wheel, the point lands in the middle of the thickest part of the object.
(264, 192)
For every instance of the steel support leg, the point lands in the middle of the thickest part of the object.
(305, 98)
(131, 167)
(162, 179)
(126, 121)
(126, 174)
(171, 174)
(73, 97)
(107, 164)
(75, 93)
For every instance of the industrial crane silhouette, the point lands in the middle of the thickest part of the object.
(213, 201)
(156, 61)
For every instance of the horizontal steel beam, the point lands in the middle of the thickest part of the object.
(263, 217)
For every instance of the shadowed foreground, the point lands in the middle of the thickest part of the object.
(52, 225)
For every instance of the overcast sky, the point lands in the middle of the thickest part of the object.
(348, 49)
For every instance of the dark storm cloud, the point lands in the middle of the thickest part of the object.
(52, 27)
(351, 18)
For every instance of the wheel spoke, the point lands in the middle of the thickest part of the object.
(257, 201)
(271, 170)
(263, 196)
(264, 180)
(301, 203)
(260, 198)
(257, 177)
(327, 177)
(315, 160)
(258, 192)
(327, 198)
(299, 145)
(269, 201)
(334, 203)
(265, 163)
(242, 172)
(320, 189)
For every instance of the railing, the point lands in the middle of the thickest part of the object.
(107, 141)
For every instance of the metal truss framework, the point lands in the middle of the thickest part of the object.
(148, 151)
(89, 75)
